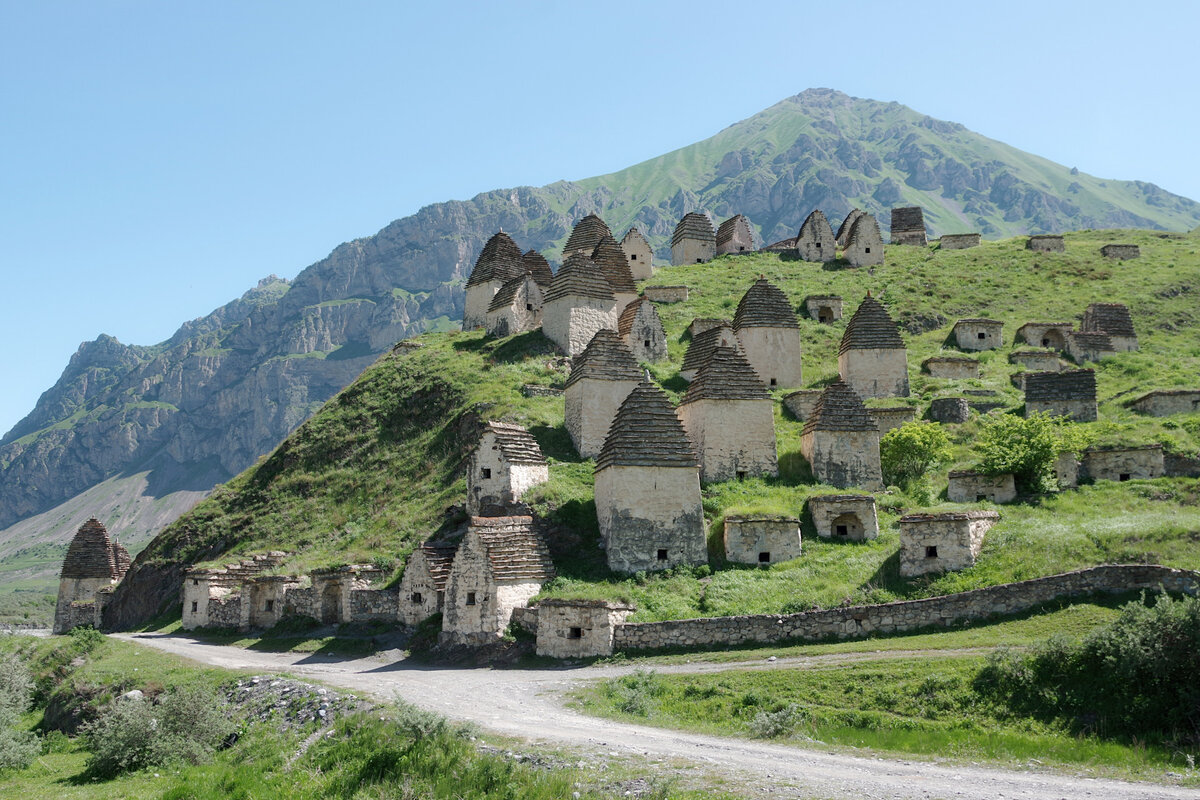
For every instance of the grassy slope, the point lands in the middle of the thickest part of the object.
(373, 473)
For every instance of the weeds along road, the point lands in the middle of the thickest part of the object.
(530, 704)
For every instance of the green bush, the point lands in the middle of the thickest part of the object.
(186, 725)
(908, 453)
(1027, 447)
(635, 693)
(18, 748)
(1133, 678)
(774, 724)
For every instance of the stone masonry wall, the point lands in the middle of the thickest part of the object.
(589, 408)
(731, 437)
(855, 514)
(571, 322)
(844, 458)
(666, 294)
(960, 241)
(970, 487)
(367, 605)
(875, 373)
(892, 417)
(898, 617)
(1164, 404)
(774, 353)
(952, 368)
(225, 612)
(1138, 463)
(749, 539)
(942, 542)
(642, 510)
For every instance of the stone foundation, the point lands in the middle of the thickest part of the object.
(1121, 251)
(942, 542)
(761, 540)
(1046, 243)
(960, 241)
(875, 372)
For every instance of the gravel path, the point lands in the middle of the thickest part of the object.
(529, 704)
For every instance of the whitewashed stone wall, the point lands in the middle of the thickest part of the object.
(1164, 404)
(693, 251)
(524, 313)
(73, 595)
(577, 628)
(650, 517)
(802, 402)
(942, 542)
(1066, 470)
(590, 406)
(973, 487)
(774, 353)
(418, 597)
(952, 368)
(849, 517)
(762, 540)
(978, 335)
(1137, 463)
(263, 600)
(477, 610)
(492, 480)
(844, 458)
(475, 307)
(875, 373)
(639, 256)
(571, 322)
(734, 438)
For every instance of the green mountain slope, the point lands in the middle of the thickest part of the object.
(374, 472)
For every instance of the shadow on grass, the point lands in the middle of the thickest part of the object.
(520, 347)
(556, 443)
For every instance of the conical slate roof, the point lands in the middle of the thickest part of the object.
(609, 256)
(646, 433)
(730, 228)
(839, 409)
(843, 231)
(515, 552)
(764, 305)
(625, 321)
(702, 346)
(816, 226)
(579, 277)
(606, 358)
(694, 225)
(633, 234)
(726, 375)
(500, 259)
(439, 558)
(122, 559)
(516, 444)
(871, 328)
(537, 265)
(586, 235)
(508, 292)
(90, 554)
(866, 228)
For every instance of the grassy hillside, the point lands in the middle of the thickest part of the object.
(374, 472)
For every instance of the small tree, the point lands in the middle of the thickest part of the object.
(1028, 446)
(908, 453)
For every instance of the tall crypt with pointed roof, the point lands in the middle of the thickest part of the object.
(579, 303)
(642, 331)
(702, 345)
(730, 419)
(648, 487)
(872, 359)
(93, 563)
(864, 244)
(843, 231)
(584, 237)
(735, 235)
(694, 240)
(815, 242)
(610, 258)
(505, 464)
(516, 308)
(639, 254)
(769, 334)
(499, 261)
(840, 440)
(601, 378)
(537, 266)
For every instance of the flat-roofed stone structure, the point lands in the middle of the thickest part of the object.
(647, 487)
(824, 308)
(969, 486)
(331, 599)
(1069, 393)
(220, 597)
(951, 367)
(263, 598)
(93, 562)
(959, 241)
(584, 237)
(501, 564)
(769, 334)
(978, 333)
(516, 308)
(505, 464)
(639, 254)
(761, 539)
(840, 440)
(843, 231)
(1083, 347)
(666, 294)
(1123, 252)
(642, 330)
(735, 235)
(1046, 243)
(949, 410)
(816, 241)
(1045, 334)
(537, 266)
(1036, 360)
(1165, 402)
(1124, 463)
(701, 324)
(864, 244)
(694, 240)
(872, 359)
(578, 628)
(1113, 320)
(600, 380)
(908, 226)
(730, 419)
(702, 345)
(801, 402)
(850, 517)
(578, 303)
(499, 262)
(423, 586)
(888, 417)
(942, 542)
(610, 258)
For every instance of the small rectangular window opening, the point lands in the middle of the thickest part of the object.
(195, 583)
(867, 249)
(1124, 476)
(270, 605)
(818, 245)
(741, 248)
(982, 335)
(699, 261)
(529, 306)
(774, 382)
(764, 558)
(741, 474)
(842, 530)
(662, 555)
(645, 342)
(416, 598)
(931, 552)
(195, 606)
(487, 473)
(470, 598)
(1045, 342)
(979, 498)
(575, 633)
(633, 257)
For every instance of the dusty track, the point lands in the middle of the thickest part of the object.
(528, 704)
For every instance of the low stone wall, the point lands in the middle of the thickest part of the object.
(666, 294)
(1121, 251)
(960, 241)
(300, 603)
(1177, 466)
(367, 605)
(1046, 243)
(906, 615)
(225, 612)
(526, 618)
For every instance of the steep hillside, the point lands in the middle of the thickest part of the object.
(226, 388)
(374, 472)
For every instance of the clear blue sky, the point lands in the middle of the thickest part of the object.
(158, 158)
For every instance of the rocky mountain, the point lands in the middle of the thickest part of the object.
(178, 417)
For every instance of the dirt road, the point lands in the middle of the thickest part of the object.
(529, 704)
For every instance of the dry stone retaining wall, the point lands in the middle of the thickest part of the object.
(374, 604)
(960, 241)
(666, 294)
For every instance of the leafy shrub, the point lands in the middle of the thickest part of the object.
(1027, 447)
(1134, 677)
(909, 452)
(18, 748)
(635, 693)
(774, 724)
(186, 725)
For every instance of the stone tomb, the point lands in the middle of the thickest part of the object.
(666, 294)
(1045, 334)
(537, 266)
(702, 345)
(1036, 360)
(601, 378)
(908, 226)
(761, 539)
(699, 325)
(499, 262)
(967, 486)
(516, 307)
(1083, 347)
(694, 240)
(888, 417)
(610, 259)
(850, 517)
(951, 367)
(959, 241)
(93, 563)
(864, 244)
(802, 402)
(949, 410)
(1121, 251)
(769, 334)
(1113, 320)
(505, 464)
(1070, 393)
(735, 235)
(872, 359)
(1124, 464)
(331, 598)
(641, 329)
(979, 334)
(1165, 402)
(584, 237)
(423, 586)
(843, 231)
(579, 302)
(824, 308)
(1046, 243)
(578, 628)
(815, 241)
(639, 254)
(840, 440)
(946, 542)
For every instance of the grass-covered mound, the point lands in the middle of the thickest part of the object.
(373, 473)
